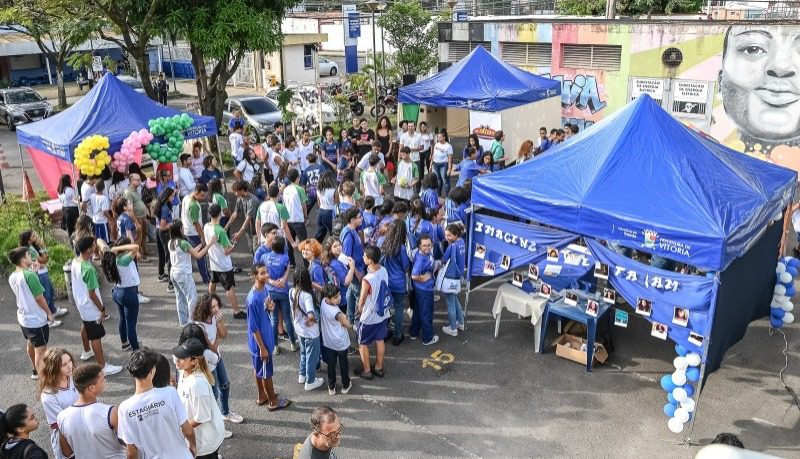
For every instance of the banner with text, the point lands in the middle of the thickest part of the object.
(675, 303)
(484, 125)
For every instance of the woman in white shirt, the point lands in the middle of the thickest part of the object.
(120, 269)
(291, 152)
(247, 167)
(442, 162)
(426, 141)
(326, 195)
(306, 326)
(56, 391)
(69, 204)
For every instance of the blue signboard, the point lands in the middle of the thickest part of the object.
(354, 20)
(461, 16)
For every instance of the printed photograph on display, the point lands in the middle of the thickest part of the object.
(505, 262)
(552, 270)
(571, 298)
(621, 318)
(644, 307)
(516, 279)
(545, 290)
(592, 308)
(488, 268)
(609, 295)
(480, 251)
(681, 317)
(696, 339)
(659, 330)
(533, 272)
(600, 270)
(552, 254)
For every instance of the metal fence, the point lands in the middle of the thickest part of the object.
(245, 74)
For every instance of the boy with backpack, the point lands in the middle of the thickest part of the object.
(374, 308)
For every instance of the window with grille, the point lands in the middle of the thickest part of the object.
(458, 50)
(600, 57)
(529, 54)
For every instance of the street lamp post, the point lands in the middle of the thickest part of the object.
(381, 7)
(373, 5)
(452, 5)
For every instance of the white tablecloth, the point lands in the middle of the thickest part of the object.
(516, 300)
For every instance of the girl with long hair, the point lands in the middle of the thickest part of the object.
(487, 162)
(473, 142)
(16, 425)
(119, 266)
(207, 314)
(423, 222)
(525, 151)
(210, 170)
(248, 168)
(291, 153)
(164, 215)
(311, 250)
(442, 162)
(69, 204)
(326, 197)
(430, 192)
(385, 135)
(305, 319)
(118, 185)
(454, 264)
(56, 391)
(180, 256)
(336, 272)
(40, 258)
(396, 252)
(83, 228)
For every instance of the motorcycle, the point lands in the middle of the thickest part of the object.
(387, 101)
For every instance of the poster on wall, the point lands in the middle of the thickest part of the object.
(484, 125)
(653, 87)
(690, 97)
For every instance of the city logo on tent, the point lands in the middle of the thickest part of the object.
(650, 238)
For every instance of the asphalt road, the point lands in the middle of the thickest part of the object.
(495, 399)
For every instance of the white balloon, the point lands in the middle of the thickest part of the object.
(688, 405)
(787, 306)
(681, 414)
(777, 217)
(693, 359)
(788, 318)
(679, 394)
(781, 268)
(680, 363)
(780, 289)
(675, 426)
(679, 377)
(786, 277)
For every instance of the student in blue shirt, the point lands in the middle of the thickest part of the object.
(277, 263)
(422, 280)
(370, 220)
(487, 163)
(468, 168)
(430, 194)
(330, 150)
(455, 206)
(421, 222)
(455, 260)
(397, 261)
(352, 247)
(310, 179)
(337, 272)
(311, 250)
(268, 231)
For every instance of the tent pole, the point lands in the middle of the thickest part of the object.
(22, 177)
(687, 438)
(222, 167)
(469, 261)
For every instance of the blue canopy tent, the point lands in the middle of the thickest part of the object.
(642, 180)
(112, 109)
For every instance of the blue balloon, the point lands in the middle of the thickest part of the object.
(667, 384)
(790, 291)
(669, 410)
(689, 389)
(777, 313)
(670, 398)
(680, 350)
(792, 269)
(693, 374)
(794, 263)
(776, 323)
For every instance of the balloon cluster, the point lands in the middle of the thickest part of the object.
(91, 155)
(131, 148)
(171, 130)
(781, 306)
(680, 404)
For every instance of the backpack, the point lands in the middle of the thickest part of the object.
(384, 300)
(338, 222)
(330, 276)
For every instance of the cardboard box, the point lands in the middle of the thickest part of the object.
(569, 347)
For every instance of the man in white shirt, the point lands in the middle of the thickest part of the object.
(295, 198)
(237, 143)
(363, 164)
(185, 178)
(306, 148)
(154, 422)
(413, 140)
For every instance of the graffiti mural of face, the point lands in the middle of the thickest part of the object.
(760, 81)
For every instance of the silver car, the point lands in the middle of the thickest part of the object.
(22, 105)
(259, 113)
(327, 67)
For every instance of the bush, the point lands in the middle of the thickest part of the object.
(16, 218)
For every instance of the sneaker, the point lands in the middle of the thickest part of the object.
(60, 312)
(332, 390)
(163, 278)
(283, 337)
(240, 315)
(34, 375)
(347, 389)
(126, 346)
(460, 327)
(397, 340)
(352, 351)
(170, 287)
(301, 379)
(433, 340)
(276, 351)
(412, 337)
(436, 298)
(228, 434)
(237, 270)
(233, 417)
(111, 369)
(87, 355)
(293, 346)
(55, 323)
(107, 316)
(317, 383)
(143, 299)
(450, 331)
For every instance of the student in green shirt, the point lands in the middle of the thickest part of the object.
(218, 198)
(181, 253)
(498, 152)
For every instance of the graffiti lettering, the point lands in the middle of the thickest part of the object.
(582, 92)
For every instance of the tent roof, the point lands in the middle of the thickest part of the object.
(480, 82)
(644, 180)
(112, 109)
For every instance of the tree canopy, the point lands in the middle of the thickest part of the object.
(411, 31)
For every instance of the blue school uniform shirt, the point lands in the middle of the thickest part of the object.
(165, 213)
(456, 253)
(468, 169)
(317, 272)
(435, 232)
(368, 224)
(430, 198)
(176, 201)
(258, 321)
(343, 206)
(351, 246)
(546, 143)
(277, 264)
(209, 175)
(125, 223)
(455, 213)
(310, 178)
(261, 251)
(423, 264)
(340, 270)
(330, 150)
(397, 266)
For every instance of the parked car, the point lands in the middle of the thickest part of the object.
(132, 82)
(304, 105)
(327, 67)
(22, 105)
(260, 115)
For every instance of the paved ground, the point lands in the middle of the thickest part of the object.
(497, 399)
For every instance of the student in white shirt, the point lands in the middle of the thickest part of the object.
(426, 139)
(87, 190)
(247, 167)
(306, 147)
(153, 421)
(291, 153)
(100, 210)
(69, 204)
(405, 181)
(194, 389)
(237, 142)
(442, 162)
(56, 391)
(305, 319)
(186, 181)
(219, 257)
(88, 428)
(181, 253)
(335, 338)
(295, 199)
(376, 150)
(372, 181)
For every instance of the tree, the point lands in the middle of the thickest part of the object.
(56, 32)
(581, 7)
(411, 31)
(219, 33)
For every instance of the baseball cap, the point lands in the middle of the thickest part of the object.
(191, 348)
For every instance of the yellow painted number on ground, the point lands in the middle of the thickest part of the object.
(438, 359)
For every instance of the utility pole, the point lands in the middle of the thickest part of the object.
(611, 9)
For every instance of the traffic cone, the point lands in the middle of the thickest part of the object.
(27, 188)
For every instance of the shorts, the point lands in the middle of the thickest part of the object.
(368, 334)
(263, 369)
(94, 330)
(389, 166)
(225, 279)
(101, 231)
(39, 337)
